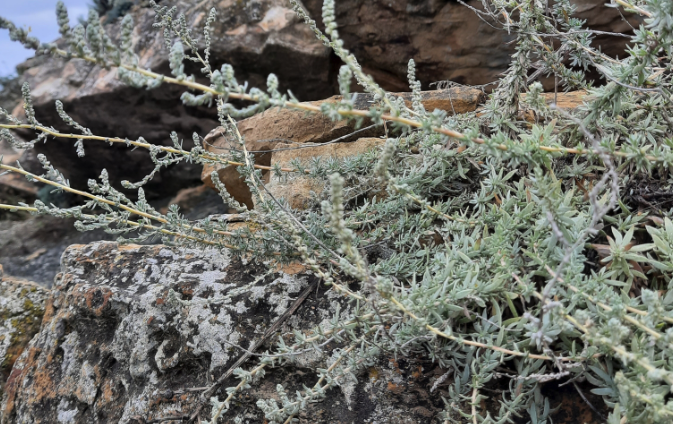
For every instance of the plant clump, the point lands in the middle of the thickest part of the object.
(518, 252)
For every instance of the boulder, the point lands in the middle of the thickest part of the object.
(32, 248)
(14, 188)
(22, 304)
(197, 203)
(133, 334)
(127, 324)
(299, 191)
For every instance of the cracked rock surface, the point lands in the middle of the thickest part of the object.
(128, 330)
(126, 323)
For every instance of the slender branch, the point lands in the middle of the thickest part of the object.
(472, 343)
(475, 393)
(607, 308)
(13, 208)
(322, 378)
(210, 157)
(267, 334)
(630, 6)
(106, 201)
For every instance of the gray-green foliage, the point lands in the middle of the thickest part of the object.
(514, 257)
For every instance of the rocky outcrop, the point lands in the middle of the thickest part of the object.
(127, 324)
(22, 305)
(129, 330)
(257, 38)
(132, 334)
(447, 40)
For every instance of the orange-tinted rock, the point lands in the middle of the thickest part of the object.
(127, 323)
(570, 100)
(275, 127)
(299, 190)
(22, 304)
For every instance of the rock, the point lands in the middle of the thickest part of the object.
(448, 41)
(10, 156)
(217, 141)
(570, 100)
(308, 152)
(32, 248)
(22, 305)
(14, 188)
(453, 100)
(198, 202)
(10, 92)
(299, 191)
(126, 324)
(130, 333)
(256, 37)
(268, 130)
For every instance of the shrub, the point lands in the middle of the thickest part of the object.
(515, 254)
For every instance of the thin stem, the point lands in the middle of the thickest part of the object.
(13, 208)
(106, 201)
(617, 349)
(322, 378)
(214, 158)
(243, 382)
(635, 8)
(475, 393)
(607, 308)
(472, 343)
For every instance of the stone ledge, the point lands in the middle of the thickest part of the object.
(275, 127)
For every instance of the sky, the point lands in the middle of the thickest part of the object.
(40, 17)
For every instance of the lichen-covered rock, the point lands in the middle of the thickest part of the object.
(21, 308)
(131, 334)
(126, 323)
